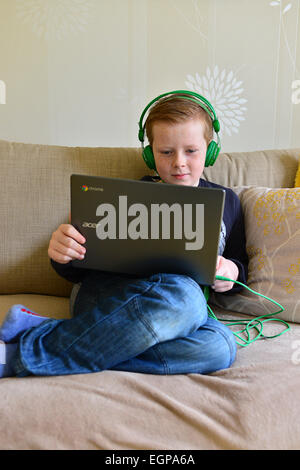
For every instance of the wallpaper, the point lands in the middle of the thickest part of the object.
(80, 72)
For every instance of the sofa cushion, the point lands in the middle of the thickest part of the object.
(268, 168)
(272, 220)
(297, 179)
(35, 200)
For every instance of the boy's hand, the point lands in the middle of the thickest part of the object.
(225, 268)
(65, 244)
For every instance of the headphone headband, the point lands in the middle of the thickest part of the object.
(191, 95)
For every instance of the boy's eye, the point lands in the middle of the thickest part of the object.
(166, 152)
(191, 150)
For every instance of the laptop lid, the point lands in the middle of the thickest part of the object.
(139, 227)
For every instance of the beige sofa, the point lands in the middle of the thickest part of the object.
(253, 405)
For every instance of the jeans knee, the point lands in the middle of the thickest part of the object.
(174, 307)
(189, 297)
(225, 343)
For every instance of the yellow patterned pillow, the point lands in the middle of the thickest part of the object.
(272, 221)
(297, 179)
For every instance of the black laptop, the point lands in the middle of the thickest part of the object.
(140, 228)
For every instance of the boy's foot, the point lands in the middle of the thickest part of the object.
(18, 319)
(7, 351)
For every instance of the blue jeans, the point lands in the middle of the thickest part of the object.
(155, 325)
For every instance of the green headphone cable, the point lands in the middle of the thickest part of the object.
(256, 323)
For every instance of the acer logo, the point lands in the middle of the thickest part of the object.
(89, 224)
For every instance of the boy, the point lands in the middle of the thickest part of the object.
(155, 325)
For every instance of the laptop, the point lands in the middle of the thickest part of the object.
(140, 228)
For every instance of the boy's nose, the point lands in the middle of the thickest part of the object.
(179, 159)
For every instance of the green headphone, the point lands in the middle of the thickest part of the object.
(213, 148)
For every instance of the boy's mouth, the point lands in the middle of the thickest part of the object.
(180, 175)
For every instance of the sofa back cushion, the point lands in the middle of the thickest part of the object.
(265, 168)
(35, 198)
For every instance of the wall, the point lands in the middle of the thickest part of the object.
(80, 72)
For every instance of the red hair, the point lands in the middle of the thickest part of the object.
(176, 109)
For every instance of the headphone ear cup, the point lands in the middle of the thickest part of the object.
(212, 153)
(149, 157)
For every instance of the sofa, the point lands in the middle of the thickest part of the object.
(252, 405)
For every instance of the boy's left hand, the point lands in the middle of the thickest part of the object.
(225, 268)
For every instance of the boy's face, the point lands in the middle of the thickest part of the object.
(179, 151)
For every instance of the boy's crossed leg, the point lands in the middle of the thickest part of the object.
(104, 334)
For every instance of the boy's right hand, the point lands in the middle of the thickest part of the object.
(66, 244)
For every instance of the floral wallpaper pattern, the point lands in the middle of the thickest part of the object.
(224, 90)
(55, 19)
